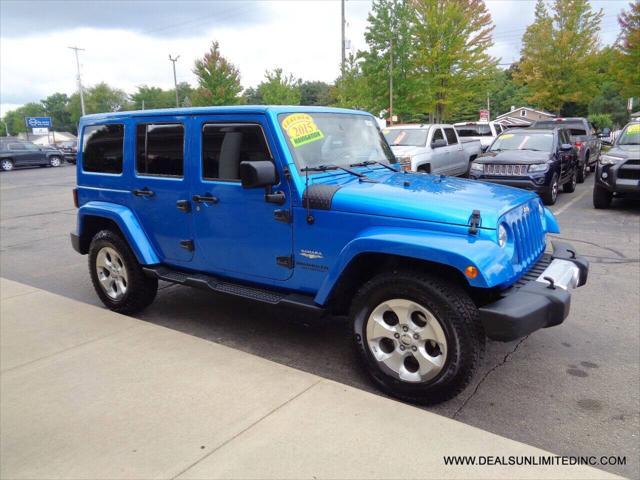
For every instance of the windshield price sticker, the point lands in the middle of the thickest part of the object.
(506, 135)
(635, 128)
(301, 129)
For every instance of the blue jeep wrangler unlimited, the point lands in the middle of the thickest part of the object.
(306, 207)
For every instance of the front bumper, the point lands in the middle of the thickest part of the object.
(609, 177)
(540, 299)
(538, 183)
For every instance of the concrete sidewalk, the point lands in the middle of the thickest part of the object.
(87, 393)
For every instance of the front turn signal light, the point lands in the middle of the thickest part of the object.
(471, 271)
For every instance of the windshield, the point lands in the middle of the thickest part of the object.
(576, 128)
(474, 130)
(630, 135)
(542, 142)
(406, 137)
(337, 139)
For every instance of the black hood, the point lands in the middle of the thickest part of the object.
(514, 157)
(625, 151)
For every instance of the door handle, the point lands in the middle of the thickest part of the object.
(183, 205)
(205, 198)
(145, 192)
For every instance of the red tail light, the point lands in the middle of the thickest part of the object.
(75, 197)
(578, 145)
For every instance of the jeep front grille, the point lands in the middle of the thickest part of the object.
(528, 235)
(506, 170)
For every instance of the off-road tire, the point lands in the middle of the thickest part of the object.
(141, 289)
(548, 197)
(601, 197)
(570, 186)
(458, 316)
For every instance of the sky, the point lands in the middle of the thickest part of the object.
(127, 43)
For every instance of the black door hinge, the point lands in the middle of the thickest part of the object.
(282, 215)
(187, 245)
(474, 222)
(285, 261)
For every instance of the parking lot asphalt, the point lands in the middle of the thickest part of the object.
(571, 389)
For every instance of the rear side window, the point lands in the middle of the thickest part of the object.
(17, 146)
(498, 128)
(225, 146)
(160, 149)
(102, 147)
(437, 135)
(451, 136)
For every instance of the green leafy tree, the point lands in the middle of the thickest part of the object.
(452, 66)
(601, 120)
(315, 93)
(99, 98)
(14, 119)
(147, 97)
(251, 96)
(3, 129)
(218, 79)
(350, 89)
(390, 56)
(279, 88)
(55, 106)
(628, 71)
(505, 93)
(558, 54)
(611, 103)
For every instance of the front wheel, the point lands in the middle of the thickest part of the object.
(55, 161)
(117, 276)
(601, 197)
(551, 195)
(418, 337)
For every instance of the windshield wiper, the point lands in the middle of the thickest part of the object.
(366, 163)
(323, 168)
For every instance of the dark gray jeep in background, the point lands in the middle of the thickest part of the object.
(583, 137)
(618, 170)
(19, 153)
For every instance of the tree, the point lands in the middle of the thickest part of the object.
(350, 90)
(315, 93)
(601, 121)
(628, 71)
(14, 119)
(505, 93)
(251, 96)
(279, 88)
(452, 66)
(558, 54)
(153, 97)
(55, 106)
(100, 98)
(390, 55)
(218, 79)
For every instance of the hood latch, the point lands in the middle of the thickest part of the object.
(474, 222)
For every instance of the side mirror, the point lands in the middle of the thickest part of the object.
(257, 174)
(566, 147)
(439, 143)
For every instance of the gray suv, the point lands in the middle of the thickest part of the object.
(18, 153)
(583, 137)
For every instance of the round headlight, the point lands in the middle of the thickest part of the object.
(502, 236)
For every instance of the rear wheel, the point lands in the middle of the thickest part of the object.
(418, 337)
(6, 164)
(551, 195)
(55, 161)
(117, 276)
(570, 186)
(601, 197)
(583, 169)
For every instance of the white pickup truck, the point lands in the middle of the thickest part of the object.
(486, 132)
(433, 149)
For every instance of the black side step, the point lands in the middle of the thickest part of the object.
(209, 282)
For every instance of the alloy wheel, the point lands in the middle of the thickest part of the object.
(554, 190)
(407, 340)
(112, 273)
(7, 165)
(54, 161)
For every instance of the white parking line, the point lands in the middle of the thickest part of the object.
(564, 207)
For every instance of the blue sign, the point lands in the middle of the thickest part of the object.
(38, 122)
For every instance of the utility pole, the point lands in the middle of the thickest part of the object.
(76, 50)
(489, 106)
(344, 42)
(175, 80)
(391, 82)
